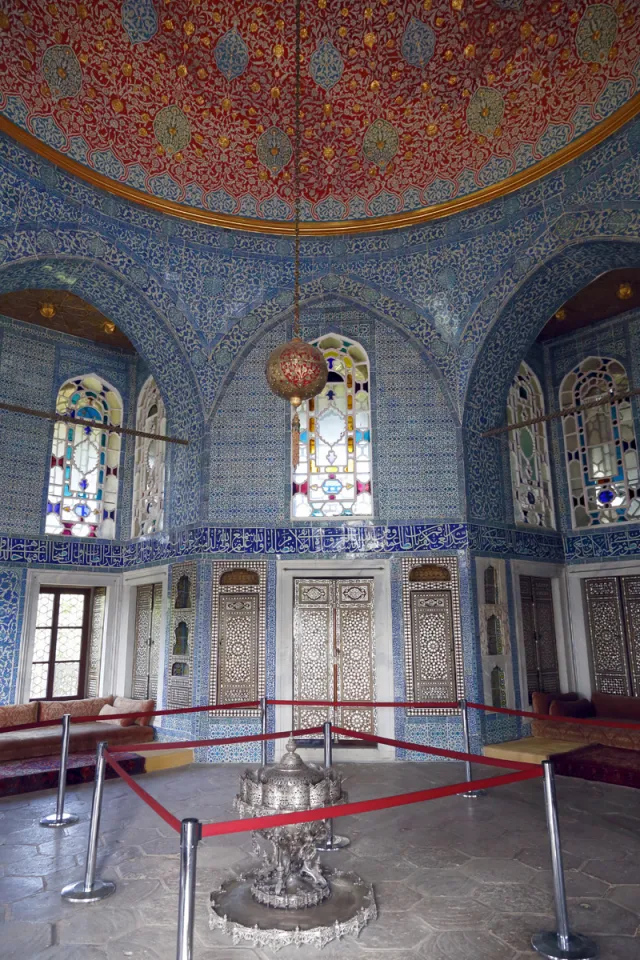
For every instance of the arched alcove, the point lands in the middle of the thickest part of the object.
(506, 343)
(152, 336)
(413, 425)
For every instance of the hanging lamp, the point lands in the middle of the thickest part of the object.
(296, 371)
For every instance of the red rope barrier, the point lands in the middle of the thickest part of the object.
(91, 718)
(363, 806)
(435, 751)
(589, 721)
(421, 705)
(142, 793)
(185, 744)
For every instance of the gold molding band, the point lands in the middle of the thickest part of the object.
(330, 228)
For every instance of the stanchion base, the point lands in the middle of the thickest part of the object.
(337, 842)
(52, 820)
(579, 947)
(76, 893)
(473, 794)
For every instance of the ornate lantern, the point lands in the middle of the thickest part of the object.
(297, 370)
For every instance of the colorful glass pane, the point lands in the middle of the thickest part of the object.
(529, 453)
(333, 477)
(600, 445)
(83, 474)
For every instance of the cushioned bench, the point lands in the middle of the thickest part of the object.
(604, 706)
(83, 738)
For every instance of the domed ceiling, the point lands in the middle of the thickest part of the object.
(411, 108)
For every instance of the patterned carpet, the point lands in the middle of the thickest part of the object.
(41, 773)
(604, 764)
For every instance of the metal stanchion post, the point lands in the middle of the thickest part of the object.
(470, 794)
(263, 730)
(333, 841)
(60, 818)
(190, 836)
(559, 944)
(89, 890)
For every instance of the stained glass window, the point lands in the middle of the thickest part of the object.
(83, 475)
(529, 453)
(600, 445)
(333, 478)
(148, 480)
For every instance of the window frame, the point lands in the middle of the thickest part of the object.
(57, 592)
(303, 411)
(149, 394)
(584, 378)
(541, 453)
(55, 490)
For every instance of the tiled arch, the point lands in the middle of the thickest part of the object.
(439, 355)
(513, 331)
(152, 337)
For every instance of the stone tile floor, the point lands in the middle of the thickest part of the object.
(455, 879)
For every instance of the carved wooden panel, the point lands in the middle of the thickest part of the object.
(605, 617)
(539, 633)
(96, 631)
(432, 635)
(238, 639)
(238, 634)
(631, 604)
(146, 655)
(434, 675)
(333, 651)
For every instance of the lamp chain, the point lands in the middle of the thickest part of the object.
(296, 180)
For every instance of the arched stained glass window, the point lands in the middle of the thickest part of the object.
(148, 480)
(333, 477)
(529, 453)
(600, 445)
(83, 476)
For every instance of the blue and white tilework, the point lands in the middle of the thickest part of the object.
(446, 310)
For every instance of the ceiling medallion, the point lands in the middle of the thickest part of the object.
(296, 371)
(624, 291)
(47, 310)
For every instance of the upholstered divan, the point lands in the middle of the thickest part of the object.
(83, 737)
(603, 706)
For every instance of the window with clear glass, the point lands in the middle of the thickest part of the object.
(600, 444)
(60, 643)
(529, 452)
(148, 478)
(333, 477)
(85, 459)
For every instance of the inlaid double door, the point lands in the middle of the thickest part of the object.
(613, 618)
(334, 651)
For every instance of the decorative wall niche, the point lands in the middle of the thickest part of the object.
(181, 632)
(493, 615)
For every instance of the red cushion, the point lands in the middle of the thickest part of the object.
(542, 701)
(572, 708)
(620, 708)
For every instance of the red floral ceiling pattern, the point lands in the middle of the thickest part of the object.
(405, 103)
